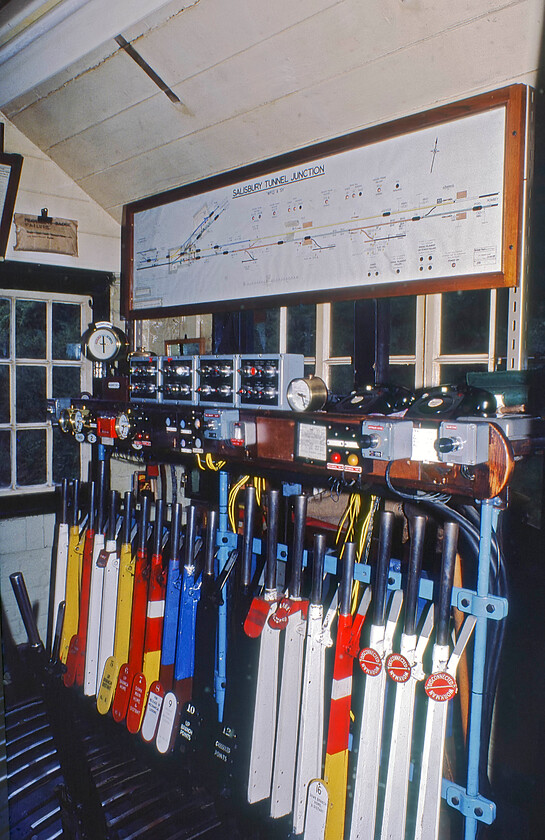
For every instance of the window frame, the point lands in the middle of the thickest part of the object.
(26, 279)
(13, 362)
(427, 358)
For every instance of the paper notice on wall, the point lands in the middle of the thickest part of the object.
(54, 236)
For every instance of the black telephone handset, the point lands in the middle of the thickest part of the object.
(450, 401)
(375, 399)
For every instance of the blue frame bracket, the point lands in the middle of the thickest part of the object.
(475, 807)
(481, 606)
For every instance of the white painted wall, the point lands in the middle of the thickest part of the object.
(44, 184)
(26, 546)
(26, 543)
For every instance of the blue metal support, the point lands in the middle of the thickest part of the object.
(226, 541)
(489, 515)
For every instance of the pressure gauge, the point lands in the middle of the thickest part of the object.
(308, 394)
(103, 342)
(122, 426)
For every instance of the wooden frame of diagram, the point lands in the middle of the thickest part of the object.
(428, 203)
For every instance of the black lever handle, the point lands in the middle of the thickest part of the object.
(318, 569)
(345, 596)
(248, 536)
(418, 528)
(158, 528)
(211, 528)
(299, 525)
(23, 602)
(383, 567)
(448, 562)
(273, 504)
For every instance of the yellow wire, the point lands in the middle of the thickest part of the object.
(231, 501)
(200, 463)
(211, 465)
(350, 514)
(259, 484)
(364, 529)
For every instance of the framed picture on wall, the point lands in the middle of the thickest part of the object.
(10, 174)
(184, 347)
(428, 203)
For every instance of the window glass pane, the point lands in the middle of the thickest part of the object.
(341, 379)
(5, 459)
(309, 370)
(502, 304)
(301, 329)
(267, 330)
(402, 375)
(4, 328)
(4, 394)
(30, 329)
(402, 325)
(456, 374)
(66, 381)
(464, 321)
(31, 457)
(65, 338)
(342, 328)
(66, 452)
(30, 401)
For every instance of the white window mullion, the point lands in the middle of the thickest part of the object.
(432, 340)
(323, 332)
(420, 333)
(283, 330)
(492, 329)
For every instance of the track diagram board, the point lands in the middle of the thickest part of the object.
(415, 207)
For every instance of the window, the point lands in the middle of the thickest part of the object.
(434, 339)
(39, 359)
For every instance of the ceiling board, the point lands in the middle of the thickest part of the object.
(262, 80)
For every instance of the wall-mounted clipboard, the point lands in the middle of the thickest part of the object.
(423, 204)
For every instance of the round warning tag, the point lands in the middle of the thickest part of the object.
(441, 686)
(279, 618)
(370, 662)
(398, 668)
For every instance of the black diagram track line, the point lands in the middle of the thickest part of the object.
(440, 210)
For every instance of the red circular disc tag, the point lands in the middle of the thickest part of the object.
(398, 668)
(279, 619)
(370, 662)
(441, 686)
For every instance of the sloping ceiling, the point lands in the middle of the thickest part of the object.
(245, 81)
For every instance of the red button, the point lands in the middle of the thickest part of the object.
(336, 457)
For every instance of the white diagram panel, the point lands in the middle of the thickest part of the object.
(416, 207)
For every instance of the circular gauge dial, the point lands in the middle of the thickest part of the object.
(307, 394)
(123, 426)
(78, 421)
(104, 343)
